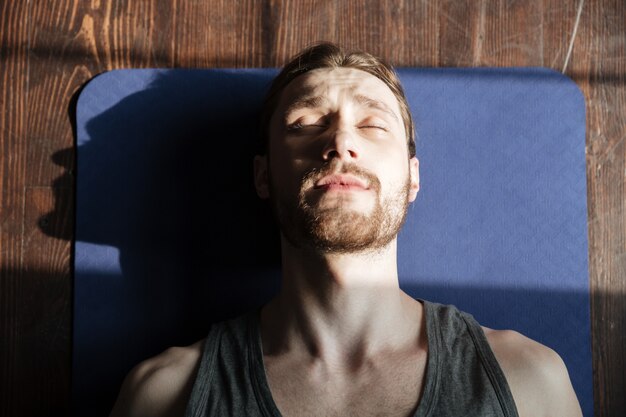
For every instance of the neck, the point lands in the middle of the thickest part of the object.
(340, 308)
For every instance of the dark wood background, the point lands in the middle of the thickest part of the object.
(49, 49)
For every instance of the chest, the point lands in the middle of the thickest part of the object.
(389, 388)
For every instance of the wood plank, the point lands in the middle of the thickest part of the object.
(372, 26)
(290, 26)
(402, 32)
(599, 58)
(13, 81)
(44, 355)
(487, 33)
(62, 57)
(559, 31)
(223, 34)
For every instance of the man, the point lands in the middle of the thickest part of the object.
(341, 338)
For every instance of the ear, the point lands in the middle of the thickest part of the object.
(414, 172)
(261, 176)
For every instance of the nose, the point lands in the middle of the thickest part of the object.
(342, 145)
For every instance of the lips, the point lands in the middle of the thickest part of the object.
(341, 181)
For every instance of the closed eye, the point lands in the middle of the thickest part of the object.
(384, 128)
(308, 122)
(372, 122)
(300, 126)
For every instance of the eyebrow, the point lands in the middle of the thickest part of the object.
(304, 103)
(375, 104)
(317, 101)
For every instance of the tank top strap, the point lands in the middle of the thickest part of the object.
(467, 368)
(201, 387)
(432, 381)
(491, 365)
(227, 379)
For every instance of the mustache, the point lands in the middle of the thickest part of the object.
(337, 167)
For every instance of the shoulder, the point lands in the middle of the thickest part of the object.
(160, 386)
(536, 374)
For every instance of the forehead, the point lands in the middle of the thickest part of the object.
(337, 84)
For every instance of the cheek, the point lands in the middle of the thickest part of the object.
(393, 173)
(390, 148)
(292, 156)
(285, 171)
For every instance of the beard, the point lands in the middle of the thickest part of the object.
(341, 229)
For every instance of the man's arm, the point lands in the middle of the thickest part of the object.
(536, 375)
(159, 386)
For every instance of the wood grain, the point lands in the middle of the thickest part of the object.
(600, 53)
(13, 83)
(49, 49)
(44, 350)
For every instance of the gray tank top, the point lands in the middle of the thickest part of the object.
(462, 375)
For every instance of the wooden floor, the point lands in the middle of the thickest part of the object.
(49, 49)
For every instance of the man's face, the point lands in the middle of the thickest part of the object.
(339, 175)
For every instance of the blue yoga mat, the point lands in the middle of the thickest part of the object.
(170, 235)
